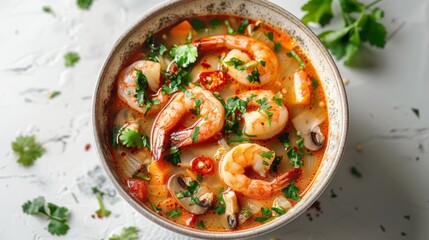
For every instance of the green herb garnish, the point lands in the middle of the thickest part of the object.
(297, 58)
(174, 156)
(269, 154)
(231, 30)
(127, 233)
(197, 24)
(291, 191)
(71, 58)
(242, 28)
(254, 76)
(266, 215)
(175, 213)
(201, 224)
(102, 211)
(84, 4)
(215, 23)
(195, 134)
(27, 149)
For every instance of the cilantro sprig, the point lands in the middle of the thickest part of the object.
(127, 233)
(294, 153)
(57, 215)
(174, 156)
(131, 138)
(291, 191)
(142, 95)
(27, 149)
(102, 211)
(155, 49)
(185, 55)
(361, 24)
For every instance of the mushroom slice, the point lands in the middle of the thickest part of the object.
(230, 218)
(307, 122)
(179, 183)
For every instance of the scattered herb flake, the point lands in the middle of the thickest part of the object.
(276, 162)
(197, 24)
(27, 149)
(154, 207)
(174, 156)
(48, 9)
(195, 134)
(128, 233)
(184, 55)
(71, 58)
(416, 111)
(175, 213)
(201, 224)
(277, 46)
(291, 191)
(279, 210)
(131, 138)
(355, 172)
(102, 211)
(297, 58)
(382, 228)
(215, 22)
(242, 28)
(53, 94)
(231, 30)
(196, 110)
(278, 98)
(270, 35)
(314, 82)
(84, 4)
(269, 154)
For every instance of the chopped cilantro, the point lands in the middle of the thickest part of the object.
(231, 30)
(269, 154)
(238, 140)
(27, 149)
(262, 62)
(355, 172)
(174, 156)
(277, 46)
(142, 95)
(154, 207)
(184, 55)
(175, 213)
(234, 108)
(279, 210)
(194, 200)
(198, 24)
(84, 4)
(297, 58)
(102, 211)
(201, 224)
(276, 162)
(116, 132)
(270, 35)
(142, 175)
(266, 215)
(220, 209)
(278, 98)
(234, 62)
(254, 77)
(156, 49)
(314, 83)
(71, 58)
(242, 28)
(215, 23)
(265, 163)
(195, 134)
(57, 215)
(48, 9)
(177, 81)
(196, 110)
(54, 94)
(264, 106)
(128, 233)
(291, 191)
(416, 111)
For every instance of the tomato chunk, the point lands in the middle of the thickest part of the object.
(138, 188)
(202, 165)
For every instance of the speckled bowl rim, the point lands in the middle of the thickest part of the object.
(252, 232)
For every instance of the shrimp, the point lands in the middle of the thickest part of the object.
(255, 54)
(210, 120)
(232, 171)
(269, 119)
(127, 84)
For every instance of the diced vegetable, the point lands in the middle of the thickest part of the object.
(138, 188)
(160, 172)
(182, 30)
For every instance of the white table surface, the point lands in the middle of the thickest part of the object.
(394, 160)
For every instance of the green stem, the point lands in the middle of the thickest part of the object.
(372, 4)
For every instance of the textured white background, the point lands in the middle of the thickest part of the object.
(394, 160)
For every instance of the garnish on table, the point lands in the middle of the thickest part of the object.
(142, 96)
(174, 156)
(291, 191)
(277, 45)
(184, 55)
(361, 24)
(416, 111)
(127, 233)
(27, 149)
(48, 9)
(156, 49)
(294, 153)
(264, 106)
(57, 215)
(355, 172)
(102, 211)
(71, 58)
(297, 58)
(84, 4)
(53, 94)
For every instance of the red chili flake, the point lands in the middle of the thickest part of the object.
(205, 64)
(213, 80)
(190, 222)
(87, 147)
(123, 154)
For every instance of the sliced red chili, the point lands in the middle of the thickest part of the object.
(138, 188)
(213, 80)
(202, 165)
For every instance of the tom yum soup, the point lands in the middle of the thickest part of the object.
(219, 123)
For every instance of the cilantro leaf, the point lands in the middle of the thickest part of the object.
(71, 58)
(318, 11)
(266, 215)
(270, 35)
(201, 224)
(278, 98)
(156, 49)
(142, 95)
(27, 149)
(84, 4)
(131, 138)
(373, 31)
(197, 24)
(234, 108)
(196, 110)
(215, 22)
(128, 233)
(174, 156)
(155, 208)
(314, 82)
(291, 191)
(254, 77)
(195, 134)
(48, 9)
(57, 215)
(102, 211)
(175, 213)
(184, 55)
(279, 210)
(231, 30)
(242, 28)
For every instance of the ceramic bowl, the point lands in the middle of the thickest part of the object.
(172, 12)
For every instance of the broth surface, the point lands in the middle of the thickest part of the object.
(150, 185)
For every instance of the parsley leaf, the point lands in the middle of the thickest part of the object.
(84, 4)
(27, 149)
(102, 211)
(242, 28)
(201, 224)
(318, 11)
(71, 58)
(184, 55)
(57, 215)
(128, 233)
(131, 138)
(291, 191)
(195, 134)
(268, 155)
(174, 156)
